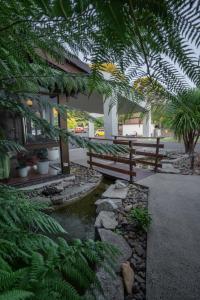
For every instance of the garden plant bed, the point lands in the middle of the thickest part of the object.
(180, 163)
(123, 232)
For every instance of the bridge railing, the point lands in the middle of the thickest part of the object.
(135, 155)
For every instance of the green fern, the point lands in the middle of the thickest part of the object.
(35, 265)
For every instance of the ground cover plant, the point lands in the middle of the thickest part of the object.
(142, 217)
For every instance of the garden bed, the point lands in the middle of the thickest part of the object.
(179, 163)
(115, 225)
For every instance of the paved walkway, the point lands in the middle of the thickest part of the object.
(173, 254)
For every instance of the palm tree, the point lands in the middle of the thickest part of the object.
(143, 38)
(184, 115)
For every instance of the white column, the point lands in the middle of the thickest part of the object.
(110, 119)
(147, 124)
(91, 129)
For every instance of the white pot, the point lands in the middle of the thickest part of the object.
(43, 167)
(53, 171)
(53, 154)
(23, 172)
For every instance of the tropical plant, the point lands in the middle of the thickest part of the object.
(150, 40)
(141, 216)
(184, 116)
(36, 261)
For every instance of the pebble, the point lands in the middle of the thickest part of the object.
(139, 250)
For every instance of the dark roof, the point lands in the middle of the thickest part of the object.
(78, 63)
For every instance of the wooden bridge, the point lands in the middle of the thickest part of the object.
(129, 166)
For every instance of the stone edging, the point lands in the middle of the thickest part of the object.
(77, 198)
(67, 190)
(113, 226)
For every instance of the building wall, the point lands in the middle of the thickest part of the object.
(135, 128)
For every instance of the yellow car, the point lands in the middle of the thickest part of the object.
(100, 132)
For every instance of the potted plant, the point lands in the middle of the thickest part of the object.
(22, 166)
(43, 163)
(53, 153)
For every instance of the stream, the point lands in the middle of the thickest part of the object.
(78, 218)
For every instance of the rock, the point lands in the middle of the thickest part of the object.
(45, 200)
(119, 242)
(128, 208)
(168, 169)
(128, 276)
(93, 180)
(117, 202)
(59, 187)
(139, 250)
(139, 279)
(106, 219)
(119, 184)
(57, 200)
(106, 205)
(112, 287)
(113, 193)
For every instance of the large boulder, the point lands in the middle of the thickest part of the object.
(120, 184)
(168, 169)
(128, 276)
(119, 242)
(106, 219)
(114, 193)
(112, 286)
(106, 204)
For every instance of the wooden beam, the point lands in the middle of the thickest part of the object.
(148, 145)
(112, 158)
(150, 163)
(118, 170)
(64, 145)
(150, 154)
(121, 142)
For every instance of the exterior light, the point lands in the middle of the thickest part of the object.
(29, 102)
(55, 112)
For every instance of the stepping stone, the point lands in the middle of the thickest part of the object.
(119, 242)
(106, 219)
(112, 192)
(117, 202)
(168, 169)
(106, 205)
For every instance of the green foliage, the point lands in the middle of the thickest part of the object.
(150, 40)
(142, 217)
(35, 261)
(184, 116)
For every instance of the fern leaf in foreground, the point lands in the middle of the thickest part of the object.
(36, 265)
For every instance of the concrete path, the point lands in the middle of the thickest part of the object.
(173, 253)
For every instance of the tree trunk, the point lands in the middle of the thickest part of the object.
(189, 143)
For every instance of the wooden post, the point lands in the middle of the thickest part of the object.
(90, 157)
(130, 159)
(64, 145)
(157, 154)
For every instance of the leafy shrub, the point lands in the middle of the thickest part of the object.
(142, 217)
(35, 266)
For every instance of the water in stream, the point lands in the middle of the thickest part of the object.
(78, 218)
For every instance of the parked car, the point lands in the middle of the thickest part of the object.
(100, 132)
(79, 129)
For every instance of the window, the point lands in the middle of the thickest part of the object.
(34, 134)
